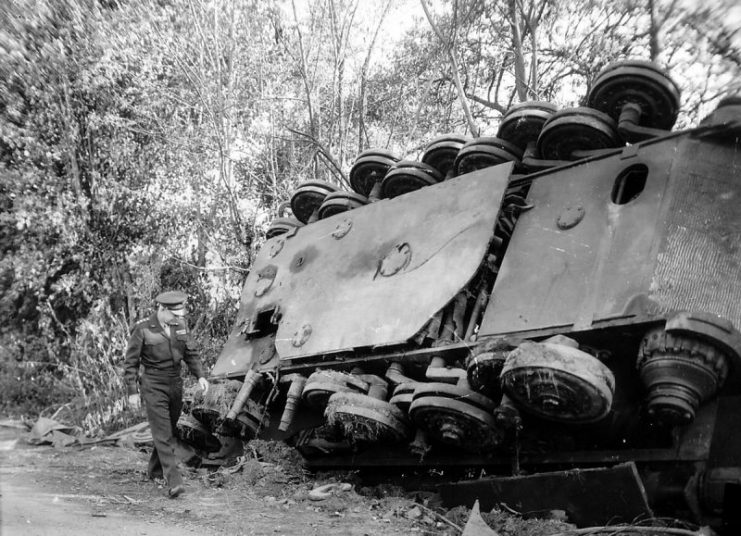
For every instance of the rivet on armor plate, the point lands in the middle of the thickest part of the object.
(342, 228)
(570, 217)
(302, 335)
(276, 247)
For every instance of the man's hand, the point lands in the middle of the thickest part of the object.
(135, 401)
(203, 382)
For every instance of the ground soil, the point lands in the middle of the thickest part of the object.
(103, 490)
(92, 490)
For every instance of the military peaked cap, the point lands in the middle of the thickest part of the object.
(172, 299)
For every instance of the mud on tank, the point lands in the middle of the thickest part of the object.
(558, 305)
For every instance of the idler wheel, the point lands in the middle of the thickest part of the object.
(402, 396)
(370, 167)
(281, 226)
(407, 176)
(679, 373)
(194, 433)
(308, 197)
(341, 202)
(523, 122)
(440, 153)
(455, 422)
(558, 382)
(636, 82)
(363, 418)
(322, 384)
(577, 129)
(485, 152)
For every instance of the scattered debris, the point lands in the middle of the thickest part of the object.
(476, 526)
(327, 490)
(49, 431)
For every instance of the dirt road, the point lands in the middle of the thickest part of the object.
(102, 490)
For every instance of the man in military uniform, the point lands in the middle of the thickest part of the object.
(159, 344)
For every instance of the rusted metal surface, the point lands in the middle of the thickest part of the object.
(401, 261)
(589, 496)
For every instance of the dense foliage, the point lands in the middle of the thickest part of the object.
(146, 144)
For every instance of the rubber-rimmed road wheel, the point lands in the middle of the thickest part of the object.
(370, 167)
(485, 152)
(523, 122)
(281, 226)
(341, 202)
(308, 197)
(407, 176)
(558, 382)
(367, 419)
(324, 383)
(193, 432)
(440, 153)
(455, 422)
(636, 82)
(577, 129)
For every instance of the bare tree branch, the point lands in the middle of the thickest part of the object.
(326, 154)
(454, 64)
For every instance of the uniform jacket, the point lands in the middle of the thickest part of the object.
(149, 346)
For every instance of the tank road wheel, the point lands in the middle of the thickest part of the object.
(281, 226)
(455, 416)
(454, 392)
(402, 396)
(440, 153)
(322, 384)
(577, 129)
(363, 418)
(195, 434)
(558, 382)
(455, 423)
(308, 197)
(483, 372)
(370, 167)
(212, 408)
(407, 176)
(523, 122)
(636, 82)
(341, 202)
(485, 152)
(679, 372)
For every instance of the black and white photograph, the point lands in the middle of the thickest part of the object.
(370, 267)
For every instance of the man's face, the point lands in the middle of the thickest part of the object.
(170, 317)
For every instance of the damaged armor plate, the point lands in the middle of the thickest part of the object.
(333, 286)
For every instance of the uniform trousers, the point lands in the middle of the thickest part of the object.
(162, 393)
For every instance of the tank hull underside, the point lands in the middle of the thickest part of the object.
(599, 333)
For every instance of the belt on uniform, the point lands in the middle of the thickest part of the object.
(151, 371)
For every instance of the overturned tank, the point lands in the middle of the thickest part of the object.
(558, 306)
